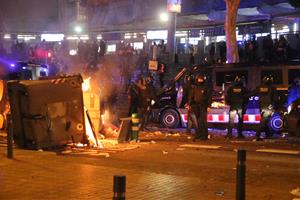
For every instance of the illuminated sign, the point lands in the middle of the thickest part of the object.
(157, 35)
(174, 6)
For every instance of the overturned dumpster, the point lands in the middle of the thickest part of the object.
(47, 113)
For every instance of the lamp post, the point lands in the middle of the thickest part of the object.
(171, 44)
(174, 7)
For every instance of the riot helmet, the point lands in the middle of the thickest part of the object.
(200, 79)
(188, 79)
(237, 81)
(268, 80)
(149, 80)
(141, 80)
(297, 81)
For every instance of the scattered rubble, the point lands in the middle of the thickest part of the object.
(165, 152)
(220, 193)
(295, 192)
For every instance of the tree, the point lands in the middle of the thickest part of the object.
(295, 3)
(96, 2)
(230, 30)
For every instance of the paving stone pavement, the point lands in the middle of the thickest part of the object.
(35, 175)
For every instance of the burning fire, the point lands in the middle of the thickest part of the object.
(86, 84)
(90, 132)
(216, 104)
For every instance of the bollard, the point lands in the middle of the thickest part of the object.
(119, 187)
(241, 175)
(135, 126)
(9, 137)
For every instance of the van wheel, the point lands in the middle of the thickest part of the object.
(170, 118)
(276, 123)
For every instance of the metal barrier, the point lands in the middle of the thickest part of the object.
(9, 137)
(119, 187)
(241, 175)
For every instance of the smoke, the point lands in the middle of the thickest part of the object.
(105, 81)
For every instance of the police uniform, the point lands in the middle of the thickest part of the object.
(133, 93)
(236, 98)
(146, 94)
(199, 100)
(266, 93)
(187, 86)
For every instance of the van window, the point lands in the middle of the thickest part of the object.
(276, 73)
(293, 73)
(228, 77)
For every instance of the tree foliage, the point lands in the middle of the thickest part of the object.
(295, 3)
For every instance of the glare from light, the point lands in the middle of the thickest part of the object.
(289, 109)
(72, 38)
(164, 17)
(52, 37)
(99, 37)
(6, 36)
(12, 65)
(295, 27)
(73, 52)
(78, 29)
(84, 37)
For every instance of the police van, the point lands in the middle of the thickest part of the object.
(170, 114)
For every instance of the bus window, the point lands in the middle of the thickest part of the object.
(292, 74)
(276, 73)
(228, 77)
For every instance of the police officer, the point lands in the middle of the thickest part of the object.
(236, 99)
(187, 86)
(146, 94)
(266, 94)
(133, 92)
(199, 100)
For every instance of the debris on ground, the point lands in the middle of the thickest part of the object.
(220, 193)
(180, 149)
(157, 133)
(295, 192)
(152, 142)
(189, 137)
(165, 152)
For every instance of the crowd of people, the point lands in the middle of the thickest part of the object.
(264, 50)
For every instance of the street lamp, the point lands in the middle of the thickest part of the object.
(164, 17)
(78, 29)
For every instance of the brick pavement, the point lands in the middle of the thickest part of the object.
(44, 175)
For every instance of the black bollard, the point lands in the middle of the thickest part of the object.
(241, 175)
(119, 187)
(9, 138)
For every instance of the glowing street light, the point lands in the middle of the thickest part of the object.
(164, 17)
(78, 29)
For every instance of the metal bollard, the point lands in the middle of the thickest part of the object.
(135, 126)
(241, 175)
(10, 137)
(119, 187)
